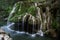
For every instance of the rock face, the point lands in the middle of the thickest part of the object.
(32, 23)
(4, 36)
(28, 22)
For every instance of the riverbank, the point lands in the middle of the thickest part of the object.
(4, 36)
(18, 36)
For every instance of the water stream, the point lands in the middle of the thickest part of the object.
(11, 13)
(40, 32)
(33, 34)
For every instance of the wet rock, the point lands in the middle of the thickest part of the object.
(4, 36)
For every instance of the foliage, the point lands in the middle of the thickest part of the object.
(22, 9)
(32, 10)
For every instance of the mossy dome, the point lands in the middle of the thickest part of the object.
(20, 9)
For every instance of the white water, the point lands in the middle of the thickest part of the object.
(33, 24)
(40, 32)
(23, 20)
(11, 13)
(19, 21)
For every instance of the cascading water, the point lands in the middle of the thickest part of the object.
(19, 23)
(23, 20)
(33, 19)
(33, 23)
(23, 23)
(7, 27)
(8, 22)
(11, 13)
(40, 32)
(49, 17)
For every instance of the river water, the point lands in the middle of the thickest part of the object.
(20, 35)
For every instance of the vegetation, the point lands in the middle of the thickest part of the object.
(28, 6)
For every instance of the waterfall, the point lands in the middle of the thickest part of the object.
(10, 15)
(40, 21)
(44, 21)
(40, 32)
(18, 22)
(13, 11)
(48, 15)
(33, 24)
(32, 18)
(23, 20)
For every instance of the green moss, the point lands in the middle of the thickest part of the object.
(32, 10)
(22, 9)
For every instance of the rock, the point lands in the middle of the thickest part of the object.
(4, 36)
